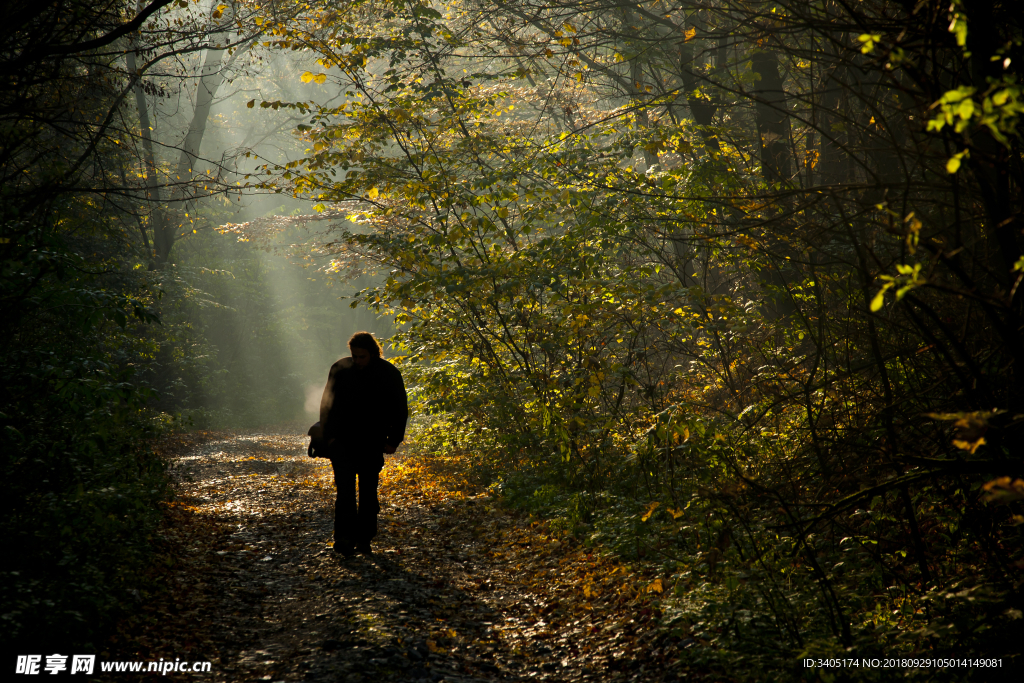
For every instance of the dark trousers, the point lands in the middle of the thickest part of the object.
(355, 522)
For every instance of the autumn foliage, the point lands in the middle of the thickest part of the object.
(730, 287)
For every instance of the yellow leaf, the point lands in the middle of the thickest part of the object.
(655, 586)
(969, 446)
(966, 109)
(650, 511)
(879, 299)
(1004, 490)
(251, 104)
(689, 33)
(953, 165)
(676, 514)
(372, 193)
(319, 79)
(306, 77)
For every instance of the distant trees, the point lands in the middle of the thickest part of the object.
(762, 256)
(90, 202)
(172, 192)
(72, 72)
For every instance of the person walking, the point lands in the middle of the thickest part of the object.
(363, 413)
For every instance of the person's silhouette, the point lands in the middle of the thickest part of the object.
(362, 414)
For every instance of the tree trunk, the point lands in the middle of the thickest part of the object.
(157, 218)
(703, 110)
(210, 80)
(772, 119)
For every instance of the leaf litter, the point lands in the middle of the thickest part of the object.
(458, 589)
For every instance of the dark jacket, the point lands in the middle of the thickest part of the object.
(363, 410)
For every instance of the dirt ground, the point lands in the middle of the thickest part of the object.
(458, 588)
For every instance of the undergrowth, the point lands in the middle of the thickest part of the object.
(82, 496)
(744, 594)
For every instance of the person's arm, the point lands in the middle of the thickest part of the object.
(335, 384)
(326, 401)
(398, 411)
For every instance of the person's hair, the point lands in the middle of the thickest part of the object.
(365, 341)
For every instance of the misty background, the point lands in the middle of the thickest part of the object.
(249, 330)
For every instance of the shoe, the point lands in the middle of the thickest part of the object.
(364, 548)
(343, 550)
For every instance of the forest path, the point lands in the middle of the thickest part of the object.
(457, 588)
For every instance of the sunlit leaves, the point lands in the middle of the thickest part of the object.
(309, 77)
(614, 297)
(953, 164)
(868, 42)
(1003, 491)
(650, 511)
(958, 23)
(998, 109)
(909, 278)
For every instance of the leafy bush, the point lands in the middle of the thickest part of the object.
(82, 488)
(728, 289)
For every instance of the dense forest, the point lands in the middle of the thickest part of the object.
(726, 287)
